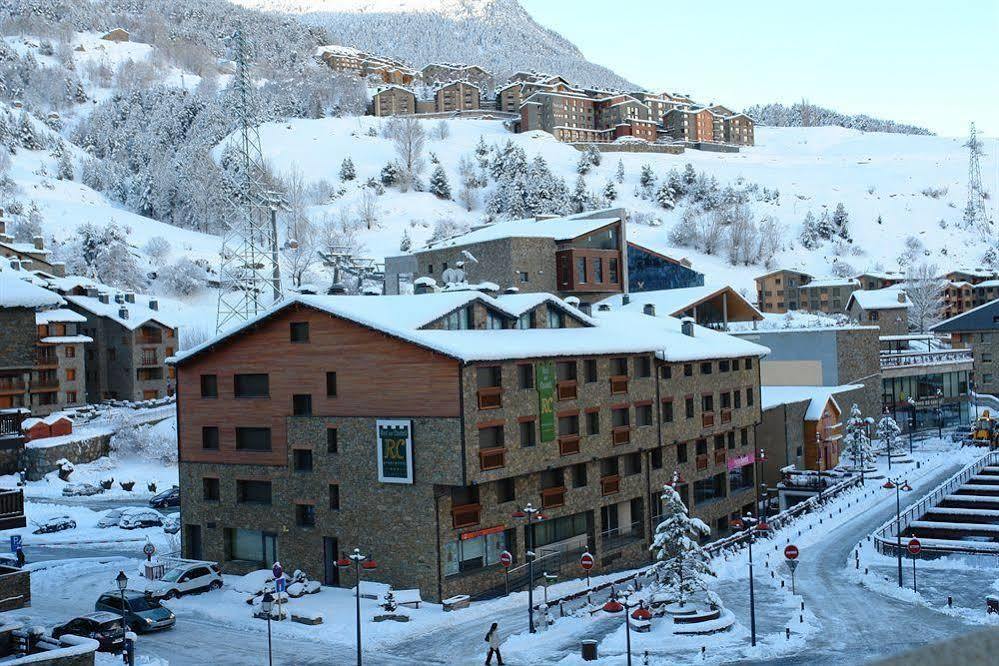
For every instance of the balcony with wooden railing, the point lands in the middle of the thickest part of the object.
(12, 385)
(46, 357)
(568, 445)
(490, 397)
(465, 515)
(148, 358)
(610, 484)
(708, 420)
(619, 384)
(12, 509)
(552, 497)
(621, 435)
(151, 336)
(492, 458)
(566, 389)
(702, 461)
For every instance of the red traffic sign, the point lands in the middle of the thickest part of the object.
(586, 561)
(506, 559)
(914, 546)
(791, 552)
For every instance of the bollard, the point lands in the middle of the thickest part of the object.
(801, 618)
(802, 605)
(858, 564)
(865, 571)
(787, 632)
(782, 582)
(704, 652)
(950, 602)
(588, 649)
(561, 609)
(772, 574)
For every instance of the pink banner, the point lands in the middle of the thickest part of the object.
(741, 461)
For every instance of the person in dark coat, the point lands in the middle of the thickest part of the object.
(20, 557)
(493, 638)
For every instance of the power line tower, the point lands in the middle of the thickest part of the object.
(975, 214)
(250, 278)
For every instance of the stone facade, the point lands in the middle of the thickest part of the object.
(456, 96)
(17, 344)
(891, 321)
(38, 461)
(393, 101)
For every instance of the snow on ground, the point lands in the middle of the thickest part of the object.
(86, 532)
(873, 174)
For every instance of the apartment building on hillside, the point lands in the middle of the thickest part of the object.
(358, 63)
(777, 291)
(313, 431)
(826, 295)
(456, 96)
(443, 72)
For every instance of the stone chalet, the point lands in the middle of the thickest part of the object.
(414, 427)
(886, 308)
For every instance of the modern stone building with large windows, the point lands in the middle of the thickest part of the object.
(413, 427)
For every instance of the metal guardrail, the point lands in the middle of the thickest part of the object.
(885, 539)
(911, 359)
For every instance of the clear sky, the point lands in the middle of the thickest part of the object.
(934, 64)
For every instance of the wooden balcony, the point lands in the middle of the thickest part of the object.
(493, 458)
(10, 427)
(12, 509)
(465, 515)
(619, 384)
(490, 397)
(720, 457)
(707, 419)
(552, 497)
(11, 385)
(726, 416)
(610, 484)
(566, 389)
(46, 358)
(568, 445)
(702, 461)
(621, 435)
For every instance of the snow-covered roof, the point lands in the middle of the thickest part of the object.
(138, 313)
(818, 396)
(18, 293)
(782, 270)
(610, 333)
(986, 284)
(557, 228)
(51, 419)
(66, 339)
(831, 282)
(881, 299)
(391, 86)
(60, 315)
(25, 248)
(676, 301)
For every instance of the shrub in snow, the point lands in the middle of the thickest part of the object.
(389, 174)
(158, 249)
(65, 468)
(934, 192)
(890, 435)
(619, 173)
(406, 244)
(29, 138)
(681, 566)
(155, 442)
(347, 171)
(183, 278)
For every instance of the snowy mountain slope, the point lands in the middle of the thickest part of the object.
(496, 34)
(873, 175)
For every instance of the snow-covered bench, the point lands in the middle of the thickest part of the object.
(457, 602)
(407, 598)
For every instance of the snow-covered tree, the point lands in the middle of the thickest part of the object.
(25, 227)
(442, 130)
(809, 237)
(580, 198)
(183, 278)
(594, 154)
(584, 164)
(689, 176)
(665, 196)
(482, 152)
(439, 185)
(646, 181)
(409, 139)
(890, 435)
(771, 237)
(469, 182)
(856, 444)
(406, 244)
(390, 174)
(103, 253)
(610, 192)
(157, 249)
(682, 566)
(368, 210)
(841, 221)
(64, 169)
(825, 228)
(925, 289)
(27, 135)
(619, 174)
(347, 171)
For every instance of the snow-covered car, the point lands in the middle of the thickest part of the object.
(165, 499)
(138, 517)
(110, 519)
(171, 523)
(55, 524)
(187, 578)
(81, 490)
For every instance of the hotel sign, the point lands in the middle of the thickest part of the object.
(741, 461)
(545, 383)
(395, 450)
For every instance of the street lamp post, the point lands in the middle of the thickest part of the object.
(360, 563)
(912, 420)
(759, 459)
(752, 523)
(265, 605)
(121, 580)
(532, 514)
(898, 485)
(615, 606)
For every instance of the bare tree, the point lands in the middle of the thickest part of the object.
(338, 246)
(410, 139)
(368, 210)
(710, 232)
(772, 235)
(298, 252)
(925, 289)
(442, 130)
(743, 236)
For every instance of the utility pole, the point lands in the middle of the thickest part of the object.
(975, 214)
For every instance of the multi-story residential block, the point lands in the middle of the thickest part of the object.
(777, 291)
(694, 124)
(314, 430)
(456, 96)
(872, 280)
(739, 129)
(393, 100)
(58, 378)
(132, 340)
(826, 295)
(802, 427)
(20, 350)
(446, 72)
(977, 330)
(888, 309)
(958, 297)
(509, 97)
(358, 63)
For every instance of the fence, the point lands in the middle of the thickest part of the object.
(910, 359)
(885, 539)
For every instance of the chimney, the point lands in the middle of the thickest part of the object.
(687, 326)
(38, 242)
(650, 309)
(586, 308)
(104, 298)
(130, 297)
(625, 299)
(901, 296)
(123, 313)
(119, 298)
(154, 304)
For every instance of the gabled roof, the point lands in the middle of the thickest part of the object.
(557, 228)
(675, 302)
(880, 299)
(783, 270)
(19, 293)
(59, 315)
(983, 318)
(138, 313)
(817, 396)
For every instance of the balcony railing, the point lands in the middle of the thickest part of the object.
(619, 384)
(46, 358)
(619, 537)
(720, 457)
(621, 435)
(12, 509)
(702, 461)
(493, 458)
(491, 397)
(552, 497)
(10, 423)
(567, 389)
(610, 484)
(914, 359)
(707, 419)
(465, 515)
(11, 384)
(568, 445)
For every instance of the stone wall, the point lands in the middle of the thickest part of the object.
(40, 460)
(858, 362)
(499, 261)
(15, 588)
(17, 344)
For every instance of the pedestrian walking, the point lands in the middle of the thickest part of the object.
(493, 638)
(20, 557)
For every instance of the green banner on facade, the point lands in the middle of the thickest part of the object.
(545, 383)
(395, 451)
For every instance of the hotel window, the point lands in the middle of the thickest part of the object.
(528, 433)
(581, 269)
(302, 459)
(251, 386)
(332, 440)
(593, 423)
(210, 437)
(209, 386)
(643, 415)
(688, 407)
(253, 492)
(330, 384)
(253, 439)
(210, 489)
(301, 404)
(305, 515)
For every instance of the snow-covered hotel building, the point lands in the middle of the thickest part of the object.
(414, 427)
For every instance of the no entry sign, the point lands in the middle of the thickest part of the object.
(586, 561)
(506, 559)
(914, 546)
(791, 552)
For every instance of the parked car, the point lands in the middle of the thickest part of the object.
(135, 517)
(165, 499)
(110, 519)
(103, 627)
(171, 523)
(189, 577)
(143, 612)
(55, 524)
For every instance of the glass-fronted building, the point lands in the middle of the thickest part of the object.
(937, 395)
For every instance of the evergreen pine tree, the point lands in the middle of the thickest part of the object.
(439, 185)
(595, 156)
(665, 196)
(676, 184)
(580, 198)
(681, 566)
(825, 228)
(26, 133)
(390, 174)
(857, 446)
(610, 192)
(809, 232)
(620, 171)
(347, 171)
(890, 435)
(840, 221)
(406, 244)
(481, 151)
(689, 174)
(584, 164)
(65, 167)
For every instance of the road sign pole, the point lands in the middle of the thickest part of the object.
(913, 547)
(792, 581)
(913, 573)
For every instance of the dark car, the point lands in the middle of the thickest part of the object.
(142, 611)
(103, 627)
(165, 499)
